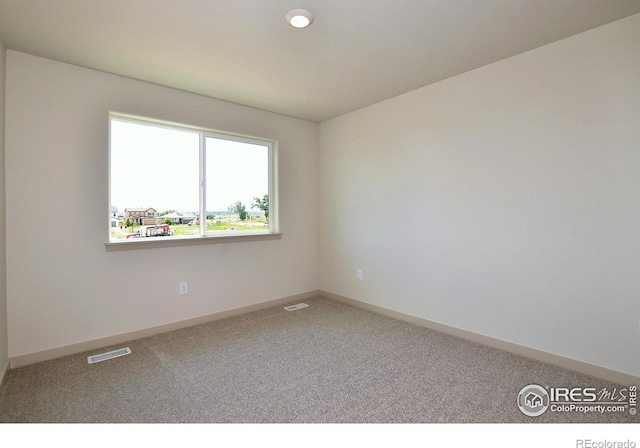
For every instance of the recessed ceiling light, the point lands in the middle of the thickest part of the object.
(299, 18)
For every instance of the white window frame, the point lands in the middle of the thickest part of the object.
(204, 237)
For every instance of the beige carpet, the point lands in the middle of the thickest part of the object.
(327, 363)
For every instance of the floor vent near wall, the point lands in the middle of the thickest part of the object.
(296, 307)
(109, 355)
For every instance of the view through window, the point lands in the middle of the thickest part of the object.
(176, 182)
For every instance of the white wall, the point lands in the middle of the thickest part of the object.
(4, 344)
(64, 288)
(504, 201)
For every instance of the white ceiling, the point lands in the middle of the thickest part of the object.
(356, 53)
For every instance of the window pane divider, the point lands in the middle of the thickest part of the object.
(203, 183)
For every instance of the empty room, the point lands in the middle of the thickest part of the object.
(340, 211)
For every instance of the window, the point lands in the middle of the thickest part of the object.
(172, 182)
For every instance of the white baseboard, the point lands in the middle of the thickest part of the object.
(4, 370)
(614, 376)
(45, 355)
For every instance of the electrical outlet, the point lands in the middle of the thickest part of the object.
(359, 274)
(183, 288)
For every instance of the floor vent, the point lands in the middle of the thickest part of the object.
(296, 307)
(109, 355)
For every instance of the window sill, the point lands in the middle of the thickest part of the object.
(151, 243)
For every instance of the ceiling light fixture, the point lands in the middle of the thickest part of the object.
(299, 18)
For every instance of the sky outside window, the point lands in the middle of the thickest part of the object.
(153, 167)
(236, 171)
(158, 167)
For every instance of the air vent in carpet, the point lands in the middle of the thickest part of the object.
(296, 307)
(108, 355)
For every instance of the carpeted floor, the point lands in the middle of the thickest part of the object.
(327, 363)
